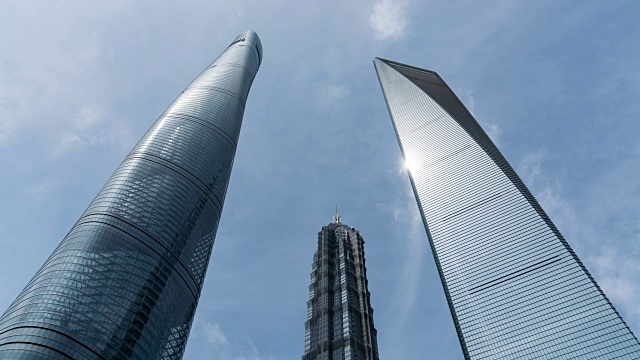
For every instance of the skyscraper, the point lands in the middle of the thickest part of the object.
(125, 281)
(339, 322)
(515, 288)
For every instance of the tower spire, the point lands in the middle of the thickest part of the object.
(337, 218)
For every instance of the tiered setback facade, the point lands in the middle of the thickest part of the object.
(515, 288)
(125, 282)
(339, 322)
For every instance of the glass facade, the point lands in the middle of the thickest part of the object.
(515, 287)
(125, 281)
(339, 322)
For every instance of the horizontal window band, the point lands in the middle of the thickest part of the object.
(458, 277)
(446, 157)
(216, 89)
(471, 207)
(51, 309)
(515, 274)
(194, 119)
(191, 285)
(543, 321)
(437, 118)
(497, 319)
(569, 343)
(236, 65)
(516, 301)
(187, 175)
(45, 346)
(179, 168)
(33, 350)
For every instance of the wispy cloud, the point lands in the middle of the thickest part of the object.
(530, 167)
(219, 345)
(66, 143)
(608, 252)
(388, 19)
(549, 192)
(493, 129)
(214, 334)
(92, 126)
(328, 93)
(44, 187)
(617, 274)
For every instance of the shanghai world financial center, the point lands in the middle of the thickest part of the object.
(515, 288)
(125, 281)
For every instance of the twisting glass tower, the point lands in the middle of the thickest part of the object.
(515, 288)
(339, 322)
(125, 281)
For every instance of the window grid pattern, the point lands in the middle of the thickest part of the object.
(514, 286)
(339, 322)
(125, 282)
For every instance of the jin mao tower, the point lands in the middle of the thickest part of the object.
(339, 322)
(515, 288)
(125, 281)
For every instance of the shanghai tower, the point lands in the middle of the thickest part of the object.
(125, 281)
(515, 288)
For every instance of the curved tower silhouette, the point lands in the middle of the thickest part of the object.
(125, 281)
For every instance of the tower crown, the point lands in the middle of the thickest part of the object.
(250, 36)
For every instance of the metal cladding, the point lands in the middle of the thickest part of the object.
(515, 287)
(339, 322)
(124, 283)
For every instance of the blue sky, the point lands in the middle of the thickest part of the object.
(556, 84)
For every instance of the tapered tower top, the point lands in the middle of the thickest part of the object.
(251, 37)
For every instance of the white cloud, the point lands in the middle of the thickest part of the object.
(530, 168)
(89, 116)
(32, 89)
(471, 104)
(67, 143)
(214, 334)
(494, 131)
(254, 355)
(388, 19)
(44, 186)
(213, 343)
(606, 250)
(89, 127)
(617, 275)
(549, 193)
(331, 93)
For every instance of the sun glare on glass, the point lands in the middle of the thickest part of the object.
(411, 164)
